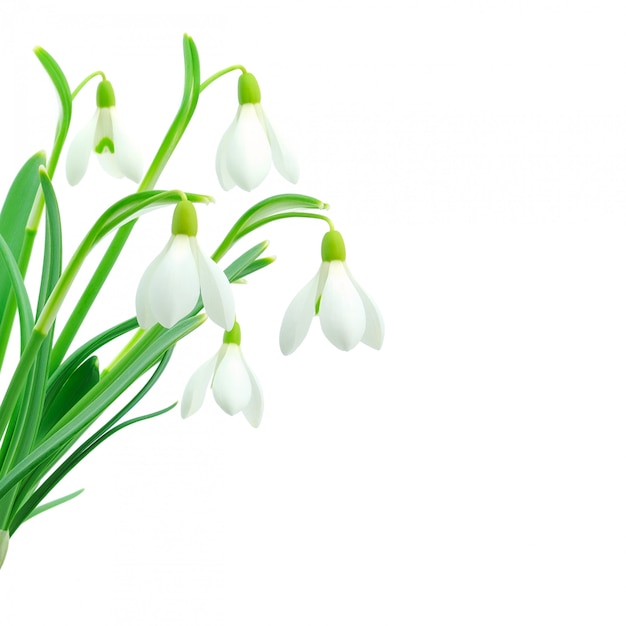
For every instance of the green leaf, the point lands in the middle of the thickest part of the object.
(255, 266)
(65, 370)
(80, 381)
(234, 270)
(18, 204)
(50, 505)
(65, 96)
(52, 260)
(13, 220)
(144, 354)
(265, 211)
(277, 204)
(19, 291)
(110, 428)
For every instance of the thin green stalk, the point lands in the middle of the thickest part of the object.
(282, 216)
(85, 81)
(170, 141)
(217, 75)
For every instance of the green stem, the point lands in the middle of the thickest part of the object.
(89, 295)
(215, 76)
(281, 216)
(133, 340)
(165, 151)
(85, 81)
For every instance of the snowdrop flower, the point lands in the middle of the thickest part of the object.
(173, 282)
(105, 136)
(250, 144)
(347, 315)
(235, 388)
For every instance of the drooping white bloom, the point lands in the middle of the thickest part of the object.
(347, 314)
(173, 282)
(234, 385)
(250, 144)
(105, 136)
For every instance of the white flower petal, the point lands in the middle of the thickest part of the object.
(217, 294)
(174, 288)
(109, 164)
(300, 313)
(196, 388)
(247, 152)
(342, 314)
(80, 151)
(127, 155)
(232, 387)
(374, 325)
(145, 315)
(223, 176)
(283, 155)
(254, 411)
(104, 126)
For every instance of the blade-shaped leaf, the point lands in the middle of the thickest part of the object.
(233, 271)
(50, 505)
(82, 379)
(13, 220)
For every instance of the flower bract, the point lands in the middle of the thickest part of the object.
(347, 314)
(250, 144)
(107, 137)
(234, 385)
(180, 274)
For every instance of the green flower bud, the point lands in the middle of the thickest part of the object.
(105, 96)
(233, 335)
(248, 88)
(185, 219)
(333, 247)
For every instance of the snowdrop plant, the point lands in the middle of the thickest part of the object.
(106, 136)
(58, 399)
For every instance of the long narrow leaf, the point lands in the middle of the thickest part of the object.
(13, 220)
(50, 505)
(82, 380)
(65, 370)
(21, 296)
(65, 96)
(53, 250)
(101, 435)
(103, 394)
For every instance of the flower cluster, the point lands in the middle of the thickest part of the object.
(182, 274)
(53, 400)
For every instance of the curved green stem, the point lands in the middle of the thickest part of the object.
(215, 76)
(85, 81)
(185, 112)
(258, 214)
(280, 216)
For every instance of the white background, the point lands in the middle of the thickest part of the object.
(472, 471)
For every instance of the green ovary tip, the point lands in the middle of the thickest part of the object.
(106, 143)
(105, 96)
(185, 219)
(233, 335)
(248, 88)
(333, 247)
